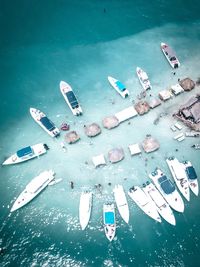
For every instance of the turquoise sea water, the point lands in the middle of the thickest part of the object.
(43, 42)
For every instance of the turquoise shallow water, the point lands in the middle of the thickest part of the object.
(82, 43)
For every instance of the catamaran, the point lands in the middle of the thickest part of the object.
(85, 207)
(162, 206)
(70, 98)
(109, 220)
(118, 86)
(121, 202)
(143, 78)
(33, 189)
(170, 55)
(167, 189)
(179, 176)
(192, 177)
(44, 122)
(26, 153)
(144, 202)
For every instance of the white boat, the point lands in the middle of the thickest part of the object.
(192, 177)
(118, 86)
(144, 202)
(162, 206)
(26, 153)
(179, 176)
(33, 189)
(70, 98)
(167, 189)
(44, 122)
(121, 202)
(143, 78)
(109, 220)
(85, 207)
(170, 55)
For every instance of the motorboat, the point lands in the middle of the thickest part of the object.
(167, 189)
(70, 98)
(143, 78)
(109, 220)
(118, 86)
(170, 55)
(192, 177)
(121, 202)
(26, 153)
(161, 204)
(179, 175)
(85, 208)
(33, 189)
(144, 202)
(44, 122)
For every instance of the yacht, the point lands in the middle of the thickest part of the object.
(70, 98)
(33, 189)
(44, 122)
(109, 220)
(162, 206)
(121, 202)
(85, 207)
(26, 153)
(118, 86)
(192, 177)
(179, 176)
(170, 55)
(144, 202)
(167, 189)
(143, 78)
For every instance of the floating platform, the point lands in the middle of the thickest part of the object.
(178, 126)
(134, 149)
(177, 89)
(99, 160)
(126, 114)
(179, 137)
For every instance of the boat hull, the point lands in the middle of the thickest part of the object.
(113, 81)
(109, 221)
(175, 63)
(144, 82)
(85, 209)
(121, 202)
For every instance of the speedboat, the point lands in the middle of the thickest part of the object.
(44, 122)
(33, 189)
(162, 206)
(143, 78)
(118, 86)
(170, 55)
(144, 202)
(121, 202)
(85, 207)
(192, 177)
(70, 98)
(179, 176)
(167, 189)
(26, 153)
(109, 220)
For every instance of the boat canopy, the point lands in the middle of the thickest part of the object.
(47, 123)
(109, 217)
(191, 173)
(120, 85)
(72, 99)
(24, 152)
(166, 185)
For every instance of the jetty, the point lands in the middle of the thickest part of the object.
(126, 114)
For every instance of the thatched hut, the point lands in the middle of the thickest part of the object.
(187, 84)
(72, 137)
(115, 155)
(150, 144)
(142, 107)
(92, 129)
(110, 122)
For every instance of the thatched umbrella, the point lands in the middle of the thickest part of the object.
(72, 137)
(142, 107)
(110, 122)
(187, 84)
(150, 144)
(115, 155)
(92, 129)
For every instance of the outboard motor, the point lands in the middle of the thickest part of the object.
(176, 66)
(144, 185)
(46, 147)
(147, 183)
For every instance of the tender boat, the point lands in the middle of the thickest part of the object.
(192, 177)
(121, 202)
(143, 78)
(109, 220)
(162, 206)
(44, 122)
(144, 202)
(26, 153)
(70, 98)
(179, 176)
(170, 55)
(118, 86)
(85, 207)
(167, 189)
(33, 189)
